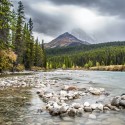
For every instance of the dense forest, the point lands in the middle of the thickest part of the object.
(76, 49)
(101, 56)
(19, 49)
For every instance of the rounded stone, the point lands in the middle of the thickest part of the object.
(88, 109)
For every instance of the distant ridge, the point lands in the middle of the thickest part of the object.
(65, 40)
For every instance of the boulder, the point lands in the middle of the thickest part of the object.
(64, 114)
(88, 109)
(100, 106)
(41, 94)
(55, 112)
(96, 91)
(123, 97)
(72, 112)
(77, 105)
(64, 109)
(115, 101)
(79, 112)
(122, 94)
(86, 104)
(122, 103)
(111, 107)
(106, 108)
(94, 106)
(70, 98)
(69, 88)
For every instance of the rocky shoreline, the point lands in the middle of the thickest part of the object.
(18, 81)
(57, 102)
(66, 100)
(7, 73)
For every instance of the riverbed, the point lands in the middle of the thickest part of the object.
(22, 106)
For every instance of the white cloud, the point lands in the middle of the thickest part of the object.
(73, 16)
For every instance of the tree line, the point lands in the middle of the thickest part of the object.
(18, 47)
(77, 49)
(112, 55)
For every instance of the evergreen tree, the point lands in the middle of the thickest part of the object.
(19, 32)
(44, 55)
(13, 26)
(38, 54)
(30, 23)
(4, 22)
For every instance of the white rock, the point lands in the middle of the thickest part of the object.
(64, 98)
(70, 97)
(77, 105)
(63, 93)
(82, 94)
(86, 104)
(91, 89)
(64, 104)
(48, 95)
(55, 105)
(102, 89)
(55, 99)
(50, 108)
(94, 106)
(100, 107)
(64, 109)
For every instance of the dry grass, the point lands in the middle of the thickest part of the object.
(109, 68)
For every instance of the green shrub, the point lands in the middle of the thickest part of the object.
(36, 68)
(20, 68)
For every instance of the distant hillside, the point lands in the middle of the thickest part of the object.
(82, 48)
(65, 40)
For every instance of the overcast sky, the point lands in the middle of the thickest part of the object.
(101, 19)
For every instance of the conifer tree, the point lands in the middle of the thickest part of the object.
(13, 26)
(4, 22)
(38, 54)
(44, 55)
(30, 24)
(18, 37)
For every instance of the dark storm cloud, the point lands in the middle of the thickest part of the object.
(53, 25)
(43, 23)
(111, 7)
(47, 24)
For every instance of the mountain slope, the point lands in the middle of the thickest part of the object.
(65, 40)
(72, 50)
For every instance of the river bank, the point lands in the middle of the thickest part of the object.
(100, 68)
(63, 97)
(109, 68)
(23, 73)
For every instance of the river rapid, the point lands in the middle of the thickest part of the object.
(22, 106)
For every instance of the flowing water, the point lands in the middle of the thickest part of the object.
(21, 106)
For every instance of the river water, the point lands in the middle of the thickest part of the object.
(21, 106)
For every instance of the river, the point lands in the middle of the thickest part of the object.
(21, 106)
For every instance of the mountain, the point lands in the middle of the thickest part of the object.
(82, 35)
(65, 40)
